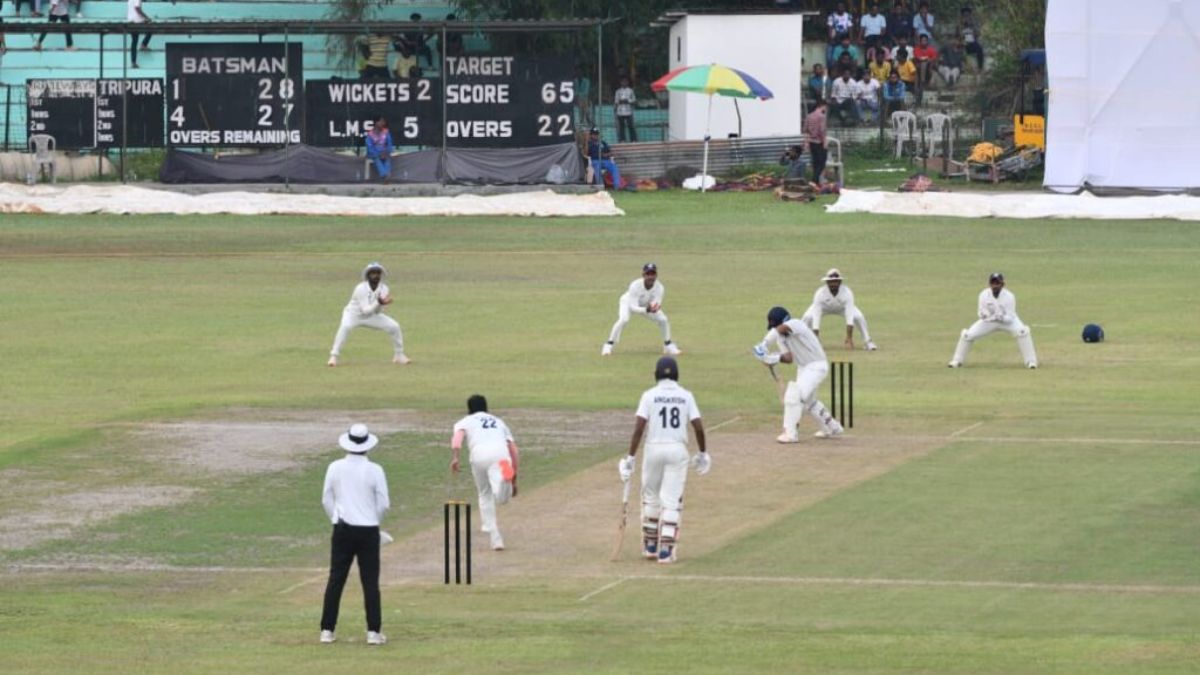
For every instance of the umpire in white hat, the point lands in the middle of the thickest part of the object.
(355, 498)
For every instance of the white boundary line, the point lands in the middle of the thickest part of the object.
(1089, 441)
(608, 586)
(915, 583)
(966, 429)
(725, 423)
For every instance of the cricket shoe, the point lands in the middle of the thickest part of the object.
(832, 433)
(787, 438)
(497, 540)
(872, 347)
(666, 555)
(374, 638)
(332, 361)
(671, 350)
(606, 350)
(1031, 365)
(954, 364)
(327, 637)
(650, 550)
(401, 359)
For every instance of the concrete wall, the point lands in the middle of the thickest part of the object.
(765, 46)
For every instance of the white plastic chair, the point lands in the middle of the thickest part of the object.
(43, 154)
(834, 160)
(904, 128)
(937, 126)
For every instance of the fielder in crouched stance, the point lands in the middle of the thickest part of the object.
(644, 297)
(797, 344)
(366, 309)
(836, 298)
(666, 409)
(493, 456)
(997, 311)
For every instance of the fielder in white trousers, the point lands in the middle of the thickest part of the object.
(365, 309)
(643, 297)
(997, 312)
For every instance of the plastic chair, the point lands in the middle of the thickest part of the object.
(43, 154)
(904, 128)
(835, 160)
(937, 126)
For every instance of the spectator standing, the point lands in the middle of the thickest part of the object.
(842, 96)
(3, 46)
(818, 141)
(59, 11)
(866, 95)
(377, 47)
(380, 148)
(950, 63)
(418, 44)
(925, 57)
(793, 159)
(600, 157)
(881, 66)
(923, 22)
(968, 29)
(35, 7)
(873, 27)
(893, 94)
(623, 99)
(583, 96)
(134, 14)
(454, 39)
(899, 23)
(355, 497)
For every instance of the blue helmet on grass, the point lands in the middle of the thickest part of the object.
(1093, 333)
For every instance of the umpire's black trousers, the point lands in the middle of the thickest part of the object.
(350, 542)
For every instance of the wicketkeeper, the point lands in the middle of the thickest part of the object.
(997, 311)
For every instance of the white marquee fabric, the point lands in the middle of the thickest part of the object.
(1017, 205)
(1124, 109)
(127, 199)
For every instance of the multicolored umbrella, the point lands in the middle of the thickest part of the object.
(712, 79)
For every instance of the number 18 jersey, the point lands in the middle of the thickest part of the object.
(667, 409)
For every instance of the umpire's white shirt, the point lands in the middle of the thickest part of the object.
(638, 297)
(825, 302)
(364, 302)
(801, 343)
(356, 491)
(667, 409)
(487, 437)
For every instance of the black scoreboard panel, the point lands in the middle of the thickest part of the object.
(339, 112)
(234, 94)
(64, 109)
(509, 101)
(143, 126)
(87, 113)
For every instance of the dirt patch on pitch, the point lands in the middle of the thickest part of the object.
(569, 528)
(60, 515)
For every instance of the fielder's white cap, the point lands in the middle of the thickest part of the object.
(832, 275)
(374, 266)
(358, 439)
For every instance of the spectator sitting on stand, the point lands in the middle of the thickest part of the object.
(375, 46)
(380, 148)
(844, 63)
(951, 62)
(818, 84)
(794, 161)
(840, 23)
(842, 97)
(893, 94)
(905, 69)
(846, 48)
(899, 23)
(881, 67)
(923, 22)
(925, 57)
(600, 157)
(901, 44)
(968, 30)
(866, 95)
(873, 27)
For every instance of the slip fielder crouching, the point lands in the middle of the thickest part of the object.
(366, 309)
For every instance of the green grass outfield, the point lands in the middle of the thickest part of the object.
(1049, 525)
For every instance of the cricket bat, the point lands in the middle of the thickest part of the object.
(779, 385)
(616, 552)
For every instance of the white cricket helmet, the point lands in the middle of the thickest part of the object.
(374, 266)
(832, 275)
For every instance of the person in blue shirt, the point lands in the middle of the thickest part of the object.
(893, 94)
(600, 157)
(818, 85)
(380, 148)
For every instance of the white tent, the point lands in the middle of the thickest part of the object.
(1124, 108)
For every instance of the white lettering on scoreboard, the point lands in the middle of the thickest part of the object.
(232, 65)
(527, 99)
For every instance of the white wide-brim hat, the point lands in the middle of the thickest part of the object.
(832, 275)
(358, 439)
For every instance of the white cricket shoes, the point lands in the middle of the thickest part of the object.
(1032, 365)
(331, 362)
(954, 364)
(606, 350)
(787, 438)
(671, 350)
(832, 433)
(401, 359)
(374, 638)
(327, 637)
(872, 347)
(497, 540)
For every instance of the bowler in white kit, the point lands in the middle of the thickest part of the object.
(366, 309)
(493, 456)
(837, 298)
(791, 341)
(997, 311)
(644, 298)
(663, 416)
